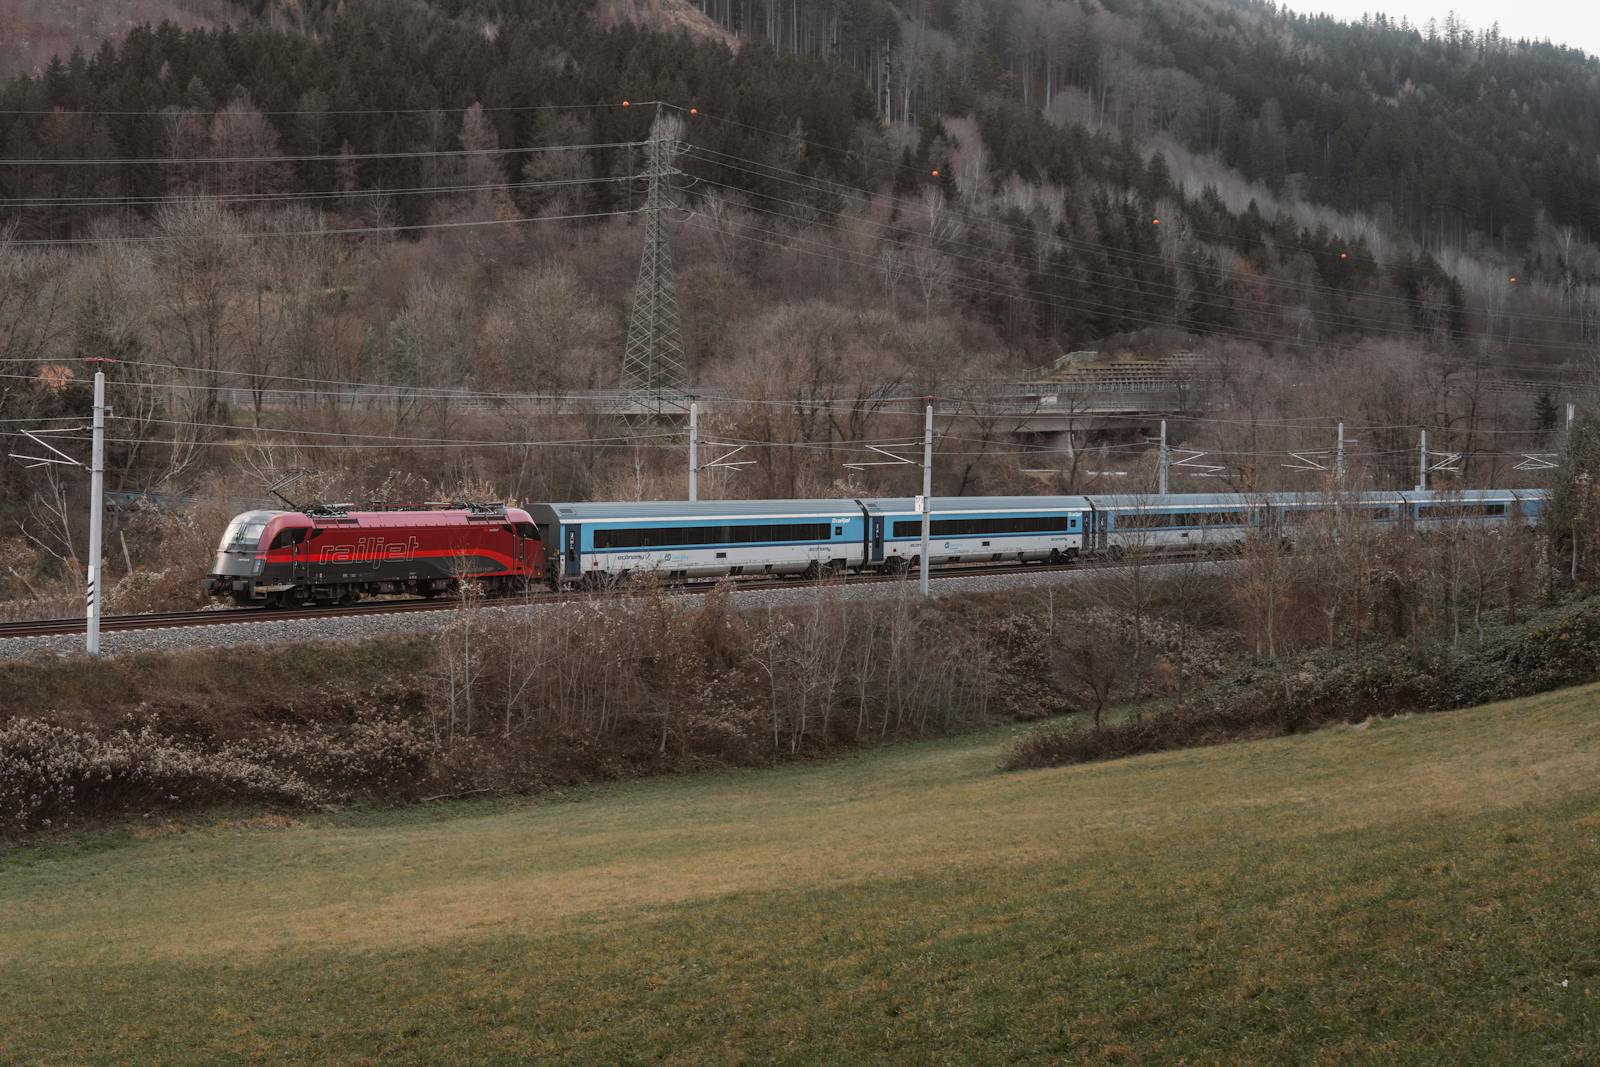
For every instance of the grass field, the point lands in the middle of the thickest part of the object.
(1425, 891)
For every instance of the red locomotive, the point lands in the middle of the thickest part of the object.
(336, 555)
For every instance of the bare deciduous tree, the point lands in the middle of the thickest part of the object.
(196, 266)
(1090, 662)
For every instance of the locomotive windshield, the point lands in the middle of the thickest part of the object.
(244, 532)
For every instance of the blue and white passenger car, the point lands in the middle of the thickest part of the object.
(976, 530)
(1428, 512)
(1157, 522)
(602, 542)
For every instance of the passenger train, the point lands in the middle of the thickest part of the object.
(340, 554)
(681, 540)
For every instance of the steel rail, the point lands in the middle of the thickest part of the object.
(255, 616)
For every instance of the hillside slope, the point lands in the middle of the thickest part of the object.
(1377, 178)
(1349, 223)
(34, 31)
(1420, 890)
(664, 16)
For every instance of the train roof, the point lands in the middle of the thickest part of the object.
(694, 510)
(398, 518)
(255, 516)
(1417, 496)
(1152, 501)
(710, 510)
(1144, 501)
(908, 505)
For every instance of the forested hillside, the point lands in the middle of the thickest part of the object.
(1444, 130)
(1423, 165)
(33, 31)
(438, 200)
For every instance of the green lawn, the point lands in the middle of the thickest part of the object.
(1425, 891)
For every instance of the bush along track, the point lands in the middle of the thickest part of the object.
(1560, 647)
(613, 687)
(620, 687)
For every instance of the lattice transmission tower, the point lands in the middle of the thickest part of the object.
(653, 371)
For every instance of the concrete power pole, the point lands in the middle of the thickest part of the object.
(44, 439)
(653, 372)
(1422, 465)
(927, 498)
(97, 500)
(1161, 475)
(694, 451)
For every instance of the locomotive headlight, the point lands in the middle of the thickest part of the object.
(260, 566)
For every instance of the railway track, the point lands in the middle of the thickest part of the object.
(234, 616)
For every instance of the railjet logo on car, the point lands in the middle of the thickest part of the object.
(377, 548)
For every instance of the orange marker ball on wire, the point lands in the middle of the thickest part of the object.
(627, 103)
(935, 174)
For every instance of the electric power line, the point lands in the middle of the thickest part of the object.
(922, 173)
(343, 231)
(873, 404)
(259, 198)
(449, 153)
(1213, 270)
(1063, 302)
(174, 109)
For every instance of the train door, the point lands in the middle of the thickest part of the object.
(570, 551)
(298, 544)
(877, 539)
(1094, 534)
(313, 551)
(527, 538)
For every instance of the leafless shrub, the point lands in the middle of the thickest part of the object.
(49, 774)
(652, 674)
(1090, 662)
(169, 550)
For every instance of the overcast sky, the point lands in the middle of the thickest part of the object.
(1570, 22)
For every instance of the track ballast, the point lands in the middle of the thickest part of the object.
(246, 616)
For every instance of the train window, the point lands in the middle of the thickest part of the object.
(675, 536)
(243, 536)
(286, 538)
(982, 527)
(1460, 511)
(1179, 519)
